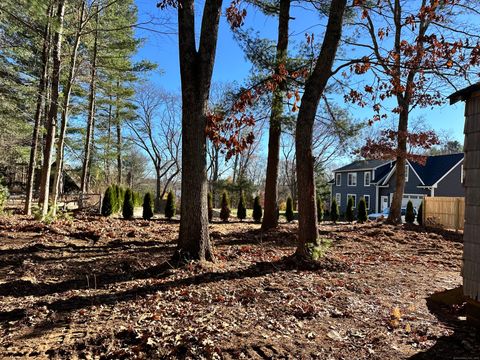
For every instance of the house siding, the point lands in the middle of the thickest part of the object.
(359, 190)
(450, 185)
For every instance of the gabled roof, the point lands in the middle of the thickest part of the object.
(436, 167)
(362, 165)
(382, 172)
(464, 94)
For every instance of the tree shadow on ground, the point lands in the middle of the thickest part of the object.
(162, 271)
(281, 237)
(448, 306)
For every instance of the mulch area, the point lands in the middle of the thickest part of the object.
(104, 288)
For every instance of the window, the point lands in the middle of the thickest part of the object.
(366, 179)
(462, 174)
(354, 198)
(352, 179)
(367, 201)
(338, 198)
(338, 179)
(406, 172)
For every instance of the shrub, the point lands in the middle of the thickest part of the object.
(289, 209)
(334, 211)
(257, 210)
(420, 215)
(410, 215)
(147, 206)
(108, 204)
(362, 214)
(349, 216)
(319, 210)
(127, 208)
(225, 207)
(170, 208)
(241, 209)
(4, 194)
(210, 206)
(137, 199)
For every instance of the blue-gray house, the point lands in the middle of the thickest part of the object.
(442, 175)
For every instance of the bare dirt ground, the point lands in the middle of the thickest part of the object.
(102, 288)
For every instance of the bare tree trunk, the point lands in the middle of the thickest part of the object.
(196, 74)
(119, 149)
(109, 141)
(52, 116)
(91, 113)
(158, 189)
(314, 88)
(38, 115)
(66, 103)
(270, 217)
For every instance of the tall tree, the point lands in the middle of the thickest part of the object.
(270, 218)
(196, 67)
(314, 88)
(53, 111)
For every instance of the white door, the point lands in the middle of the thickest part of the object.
(384, 203)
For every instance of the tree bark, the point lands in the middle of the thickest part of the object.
(314, 88)
(52, 116)
(270, 217)
(119, 147)
(66, 103)
(38, 115)
(91, 112)
(196, 69)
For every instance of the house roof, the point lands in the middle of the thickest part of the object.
(436, 167)
(362, 165)
(464, 94)
(381, 172)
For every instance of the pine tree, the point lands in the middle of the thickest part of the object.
(410, 215)
(362, 214)
(334, 211)
(225, 208)
(148, 206)
(128, 207)
(170, 207)
(108, 203)
(319, 210)
(210, 207)
(349, 216)
(241, 209)
(289, 210)
(257, 210)
(420, 214)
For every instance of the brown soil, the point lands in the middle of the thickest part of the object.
(103, 288)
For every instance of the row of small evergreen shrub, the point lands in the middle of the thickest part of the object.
(118, 198)
(225, 211)
(361, 215)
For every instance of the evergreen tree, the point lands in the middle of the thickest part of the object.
(349, 216)
(170, 206)
(210, 207)
(257, 210)
(128, 207)
(148, 206)
(420, 214)
(410, 215)
(289, 210)
(319, 210)
(108, 203)
(241, 209)
(334, 211)
(362, 214)
(225, 208)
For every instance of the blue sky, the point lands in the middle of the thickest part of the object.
(230, 64)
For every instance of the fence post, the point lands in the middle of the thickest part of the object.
(424, 212)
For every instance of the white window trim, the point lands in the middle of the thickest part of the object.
(338, 198)
(407, 172)
(338, 179)
(348, 177)
(365, 178)
(462, 174)
(365, 198)
(354, 196)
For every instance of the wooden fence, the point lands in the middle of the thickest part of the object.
(446, 212)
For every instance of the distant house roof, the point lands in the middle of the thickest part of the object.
(382, 172)
(362, 165)
(464, 94)
(436, 167)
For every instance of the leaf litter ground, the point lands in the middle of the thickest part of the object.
(103, 288)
